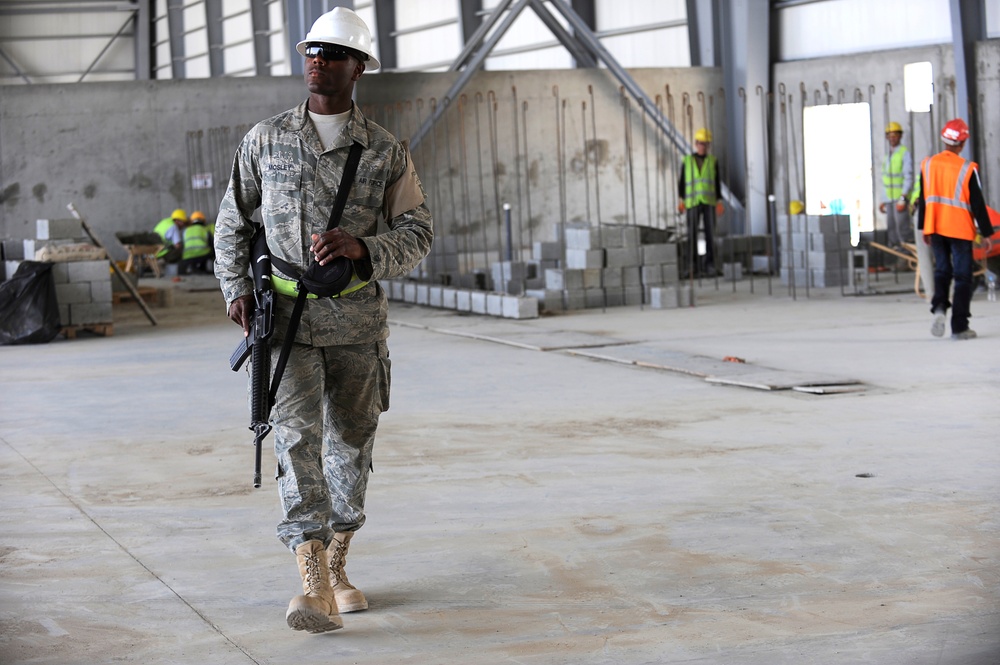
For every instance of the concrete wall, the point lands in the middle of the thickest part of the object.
(125, 152)
(117, 150)
(538, 150)
(877, 78)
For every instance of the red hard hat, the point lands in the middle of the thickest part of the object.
(955, 132)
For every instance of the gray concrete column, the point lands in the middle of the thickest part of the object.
(745, 45)
(968, 26)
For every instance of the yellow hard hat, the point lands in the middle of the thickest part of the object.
(703, 135)
(894, 127)
(795, 207)
(197, 215)
(179, 214)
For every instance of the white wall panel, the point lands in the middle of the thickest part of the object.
(835, 27)
(657, 48)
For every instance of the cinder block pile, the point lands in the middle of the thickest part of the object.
(461, 299)
(80, 270)
(816, 251)
(603, 266)
(590, 266)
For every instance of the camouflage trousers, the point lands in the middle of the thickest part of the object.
(325, 415)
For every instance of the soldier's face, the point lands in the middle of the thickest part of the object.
(332, 78)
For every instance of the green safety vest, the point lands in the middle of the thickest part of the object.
(196, 242)
(161, 229)
(892, 173)
(699, 186)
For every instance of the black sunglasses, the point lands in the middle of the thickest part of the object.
(328, 52)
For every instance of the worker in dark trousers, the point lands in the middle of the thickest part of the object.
(950, 207)
(700, 197)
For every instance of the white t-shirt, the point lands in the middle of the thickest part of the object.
(329, 126)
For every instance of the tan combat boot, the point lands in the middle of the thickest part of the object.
(348, 598)
(315, 610)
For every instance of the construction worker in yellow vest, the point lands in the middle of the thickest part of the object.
(897, 181)
(700, 197)
(197, 245)
(171, 231)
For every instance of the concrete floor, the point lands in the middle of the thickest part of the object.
(527, 506)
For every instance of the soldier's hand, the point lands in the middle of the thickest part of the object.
(337, 242)
(241, 312)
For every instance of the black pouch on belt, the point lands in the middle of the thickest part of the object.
(330, 279)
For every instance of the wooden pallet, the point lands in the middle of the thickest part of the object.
(102, 329)
(148, 294)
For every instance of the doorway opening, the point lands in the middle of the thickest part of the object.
(837, 140)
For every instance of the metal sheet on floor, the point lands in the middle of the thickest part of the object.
(541, 340)
(773, 379)
(655, 357)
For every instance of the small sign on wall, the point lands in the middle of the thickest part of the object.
(201, 181)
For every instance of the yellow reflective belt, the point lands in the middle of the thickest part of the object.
(288, 287)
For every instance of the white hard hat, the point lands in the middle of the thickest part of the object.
(343, 27)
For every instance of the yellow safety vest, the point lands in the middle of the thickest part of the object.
(699, 186)
(196, 242)
(892, 173)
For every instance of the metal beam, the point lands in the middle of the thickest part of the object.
(745, 59)
(482, 50)
(104, 50)
(702, 33)
(17, 70)
(67, 7)
(142, 44)
(213, 30)
(968, 26)
(484, 28)
(385, 25)
(468, 12)
(261, 22)
(582, 56)
(175, 29)
(646, 104)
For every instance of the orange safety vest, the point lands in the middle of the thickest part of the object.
(946, 196)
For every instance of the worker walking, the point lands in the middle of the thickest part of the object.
(949, 208)
(700, 197)
(897, 182)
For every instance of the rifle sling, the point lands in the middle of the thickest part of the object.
(346, 182)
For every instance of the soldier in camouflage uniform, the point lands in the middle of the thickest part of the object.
(336, 382)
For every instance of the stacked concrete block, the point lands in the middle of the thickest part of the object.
(511, 276)
(583, 259)
(519, 308)
(83, 291)
(607, 266)
(11, 253)
(815, 252)
(547, 251)
(663, 297)
(81, 274)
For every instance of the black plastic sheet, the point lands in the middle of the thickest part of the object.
(29, 311)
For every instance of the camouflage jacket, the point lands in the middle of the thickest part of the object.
(281, 168)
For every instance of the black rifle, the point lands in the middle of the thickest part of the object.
(257, 347)
(262, 396)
